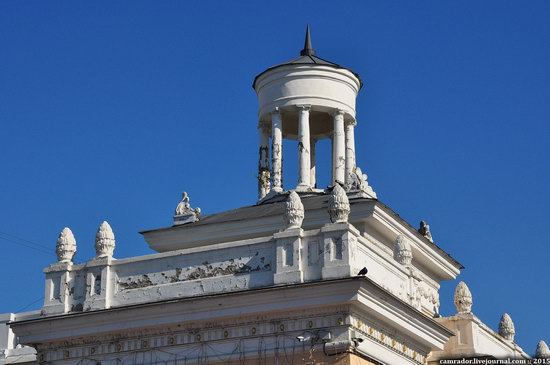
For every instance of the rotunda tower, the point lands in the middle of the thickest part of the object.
(307, 99)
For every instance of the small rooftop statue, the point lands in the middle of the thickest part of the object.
(542, 352)
(184, 213)
(402, 251)
(463, 298)
(506, 327)
(425, 230)
(338, 205)
(104, 241)
(66, 246)
(359, 182)
(294, 211)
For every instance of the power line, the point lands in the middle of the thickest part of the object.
(41, 250)
(28, 305)
(47, 247)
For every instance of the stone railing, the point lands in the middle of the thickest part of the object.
(290, 256)
(337, 249)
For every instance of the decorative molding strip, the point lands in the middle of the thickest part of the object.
(385, 337)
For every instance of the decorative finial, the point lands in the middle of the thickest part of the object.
(308, 48)
(542, 352)
(66, 246)
(506, 327)
(338, 205)
(184, 213)
(463, 298)
(425, 230)
(294, 211)
(402, 252)
(104, 241)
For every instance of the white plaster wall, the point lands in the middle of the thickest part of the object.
(322, 86)
(237, 265)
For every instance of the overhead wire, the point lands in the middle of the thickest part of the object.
(26, 243)
(28, 305)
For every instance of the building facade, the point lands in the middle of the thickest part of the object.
(305, 276)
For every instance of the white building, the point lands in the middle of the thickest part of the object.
(305, 276)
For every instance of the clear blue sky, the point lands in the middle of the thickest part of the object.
(110, 109)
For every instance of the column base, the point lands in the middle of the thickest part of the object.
(302, 188)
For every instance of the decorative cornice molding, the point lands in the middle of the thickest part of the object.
(388, 338)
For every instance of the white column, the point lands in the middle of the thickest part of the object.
(312, 178)
(338, 148)
(304, 162)
(263, 162)
(276, 151)
(350, 151)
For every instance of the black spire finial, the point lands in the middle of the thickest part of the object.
(308, 49)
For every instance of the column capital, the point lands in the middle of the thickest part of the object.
(275, 110)
(304, 107)
(352, 122)
(337, 112)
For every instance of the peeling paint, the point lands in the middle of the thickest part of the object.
(140, 283)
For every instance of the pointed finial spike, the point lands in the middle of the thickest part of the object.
(308, 49)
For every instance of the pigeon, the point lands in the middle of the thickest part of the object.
(363, 272)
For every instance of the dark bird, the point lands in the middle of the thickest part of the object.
(436, 313)
(363, 272)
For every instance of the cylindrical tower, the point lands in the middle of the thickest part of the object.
(307, 99)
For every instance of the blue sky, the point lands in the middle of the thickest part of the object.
(110, 109)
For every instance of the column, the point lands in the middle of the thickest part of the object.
(304, 162)
(312, 172)
(338, 148)
(276, 151)
(263, 162)
(350, 151)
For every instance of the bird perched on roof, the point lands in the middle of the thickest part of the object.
(363, 272)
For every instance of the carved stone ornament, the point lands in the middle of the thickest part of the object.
(183, 207)
(463, 298)
(294, 211)
(402, 252)
(184, 213)
(264, 177)
(542, 352)
(356, 180)
(424, 230)
(66, 246)
(338, 205)
(506, 327)
(104, 241)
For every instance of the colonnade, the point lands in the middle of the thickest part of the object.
(343, 152)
